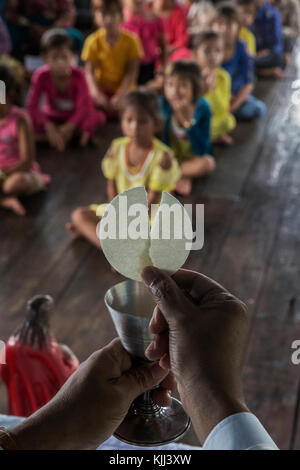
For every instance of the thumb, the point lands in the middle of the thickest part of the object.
(141, 378)
(169, 297)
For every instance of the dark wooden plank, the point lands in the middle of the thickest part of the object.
(276, 326)
(251, 247)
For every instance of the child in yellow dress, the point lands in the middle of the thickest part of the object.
(112, 57)
(216, 85)
(138, 159)
(246, 10)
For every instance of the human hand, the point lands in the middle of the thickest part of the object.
(116, 102)
(208, 80)
(67, 131)
(68, 356)
(84, 139)
(54, 136)
(100, 99)
(262, 53)
(91, 404)
(200, 334)
(234, 105)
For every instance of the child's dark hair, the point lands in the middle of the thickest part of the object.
(7, 77)
(189, 70)
(241, 3)
(204, 36)
(143, 99)
(35, 331)
(112, 5)
(55, 39)
(226, 10)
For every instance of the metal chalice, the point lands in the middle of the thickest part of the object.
(146, 424)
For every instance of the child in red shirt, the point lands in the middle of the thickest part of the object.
(69, 107)
(35, 365)
(174, 17)
(150, 29)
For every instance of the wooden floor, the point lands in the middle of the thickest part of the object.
(252, 246)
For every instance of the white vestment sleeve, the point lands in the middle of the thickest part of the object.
(241, 431)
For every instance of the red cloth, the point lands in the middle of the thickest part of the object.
(177, 33)
(33, 376)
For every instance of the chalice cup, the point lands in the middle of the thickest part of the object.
(146, 424)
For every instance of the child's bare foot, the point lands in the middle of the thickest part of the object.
(274, 72)
(288, 58)
(74, 233)
(184, 186)
(13, 204)
(278, 72)
(224, 139)
(84, 140)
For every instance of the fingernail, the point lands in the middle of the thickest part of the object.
(157, 372)
(149, 349)
(153, 318)
(149, 275)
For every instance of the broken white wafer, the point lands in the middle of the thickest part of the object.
(128, 243)
(171, 235)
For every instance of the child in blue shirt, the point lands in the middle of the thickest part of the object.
(187, 119)
(267, 27)
(238, 63)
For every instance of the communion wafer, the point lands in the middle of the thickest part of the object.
(128, 243)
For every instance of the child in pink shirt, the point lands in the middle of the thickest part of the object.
(68, 107)
(174, 17)
(20, 174)
(150, 29)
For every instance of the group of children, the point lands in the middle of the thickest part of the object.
(181, 73)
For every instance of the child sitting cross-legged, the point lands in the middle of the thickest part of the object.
(112, 57)
(69, 108)
(290, 17)
(216, 85)
(238, 63)
(20, 174)
(137, 159)
(187, 121)
(267, 27)
(246, 10)
(150, 29)
(174, 16)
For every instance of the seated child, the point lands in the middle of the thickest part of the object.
(69, 107)
(290, 17)
(150, 29)
(187, 121)
(112, 56)
(20, 174)
(199, 16)
(246, 10)
(36, 365)
(216, 85)
(267, 27)
(238, 63)
(138, 159)
(174, 17)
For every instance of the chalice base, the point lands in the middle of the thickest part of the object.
(149, 425)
